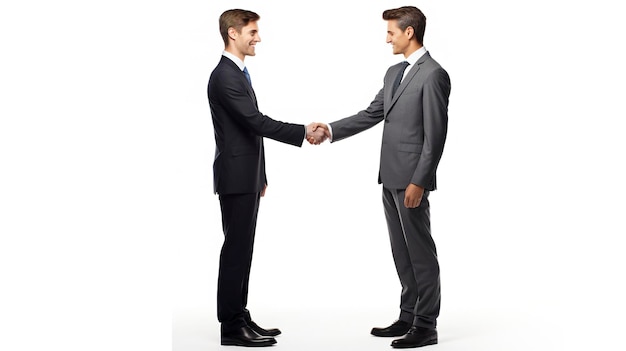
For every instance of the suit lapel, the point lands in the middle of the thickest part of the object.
(249, 88)
(391, 100)
(388, 98)
(251, 91)
(241, 76)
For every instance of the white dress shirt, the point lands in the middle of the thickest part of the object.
(235, 59)
(412, 59)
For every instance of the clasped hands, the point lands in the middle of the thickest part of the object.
(317, 133)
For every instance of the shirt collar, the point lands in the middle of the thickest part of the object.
(235, 59)
(412, 59)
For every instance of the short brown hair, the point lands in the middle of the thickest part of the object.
(408, 16)
(237, 19)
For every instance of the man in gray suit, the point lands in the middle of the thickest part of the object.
(414, 105)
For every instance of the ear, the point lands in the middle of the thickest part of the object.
(232, 33)
(410, 32)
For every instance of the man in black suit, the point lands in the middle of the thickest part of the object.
(239, 172)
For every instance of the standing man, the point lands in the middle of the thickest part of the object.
(414, 105)
(239, 172)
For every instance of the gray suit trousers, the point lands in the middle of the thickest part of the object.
(415, 256)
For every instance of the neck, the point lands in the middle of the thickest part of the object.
(412, 48)
(236, 53)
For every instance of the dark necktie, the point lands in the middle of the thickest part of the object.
(245, 72)
(396, 83)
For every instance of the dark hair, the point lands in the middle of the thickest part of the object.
(237, 19)
(408, 16)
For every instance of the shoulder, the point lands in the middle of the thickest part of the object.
(434, 70)
(224, 75)
(430, 63)
(224, 67)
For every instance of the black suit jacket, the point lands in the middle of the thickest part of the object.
(239, 165)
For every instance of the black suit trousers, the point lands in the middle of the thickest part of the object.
(239, 217)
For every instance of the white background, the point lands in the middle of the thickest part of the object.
(111, 232)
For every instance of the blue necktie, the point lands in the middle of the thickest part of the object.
(245, 72)
(396, 83)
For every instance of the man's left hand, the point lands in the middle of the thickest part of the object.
(413, 196)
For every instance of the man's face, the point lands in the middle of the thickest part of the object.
(246, 40)
(398, 38)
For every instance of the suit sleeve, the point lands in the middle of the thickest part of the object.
(243, 109)
(363, 120)
(435, 104)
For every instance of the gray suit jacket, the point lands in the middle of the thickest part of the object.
(416, 123)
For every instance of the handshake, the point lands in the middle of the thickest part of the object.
(317, 133)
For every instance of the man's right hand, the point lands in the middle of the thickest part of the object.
(317, 133)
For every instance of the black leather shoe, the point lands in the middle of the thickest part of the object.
(398, 328)
(416, 337)
(245, 336)
(263, 332)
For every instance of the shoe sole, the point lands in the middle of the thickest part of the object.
(269, 334)
(234, 342)
(387, 335)
(429, 342)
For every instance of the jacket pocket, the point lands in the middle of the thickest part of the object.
(408, 147)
